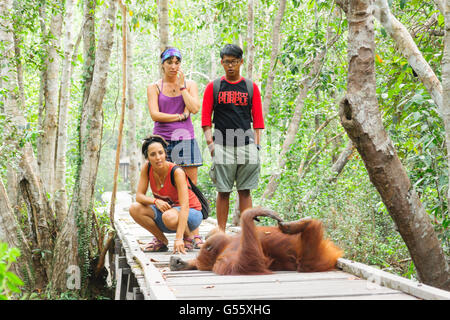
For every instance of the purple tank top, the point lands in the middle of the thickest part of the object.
(179, 130)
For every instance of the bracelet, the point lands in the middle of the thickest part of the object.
(154, 201)
(179, 117)
(182, 88)
(178, 240)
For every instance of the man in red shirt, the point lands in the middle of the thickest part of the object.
(234, 146)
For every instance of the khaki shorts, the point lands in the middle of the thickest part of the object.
(240, 164)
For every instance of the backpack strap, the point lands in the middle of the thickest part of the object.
(216, 88)
(249, 84)
(172, 175)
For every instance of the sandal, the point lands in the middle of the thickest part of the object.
(155, 246)
(188, 244)
(198, 245)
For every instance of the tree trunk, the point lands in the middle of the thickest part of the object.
(361, 119)
(72, 247)
(132, 146)
(446, 88)
(163, 24)
(122, 113)
(51, 92)
(60, 162)
(340, 163)
(42, 217)
(11, 233)
(440, 4)
(213, 54)
(250, 37)
(43, 81)
(88, 35)
(408, 48)
(29, 182)
(273, 58)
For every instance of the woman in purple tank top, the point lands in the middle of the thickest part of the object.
(171, 101)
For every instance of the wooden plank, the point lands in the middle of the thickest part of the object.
(381, 296)
(118, 284)
(163, 258)
(392, 281)
(281, 290)
(154, 282)
(213, 279)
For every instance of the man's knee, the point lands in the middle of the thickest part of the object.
(224, 195)
(244, 193)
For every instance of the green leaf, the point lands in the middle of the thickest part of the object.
(402, 4)
(14, 279)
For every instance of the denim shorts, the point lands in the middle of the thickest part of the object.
(185, 153)
(194, 219)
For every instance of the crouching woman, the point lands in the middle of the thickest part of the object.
(172, 208)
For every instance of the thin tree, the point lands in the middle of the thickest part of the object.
(445, 110)
(72, 247)
(31, 189)
(122, 114)
(163, 23)
(132, 146)
(250, 37)
(64, 99)
(273, 57)
(361, 118)
(46, 153)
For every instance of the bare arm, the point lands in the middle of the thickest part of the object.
(141, 192)
(153, 107)
(190, 97)
(183, 197)
(258, 133)
(209, 138)
(143, 186)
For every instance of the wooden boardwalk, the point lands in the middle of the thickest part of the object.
(146, 276)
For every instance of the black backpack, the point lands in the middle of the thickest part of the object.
(201, 197)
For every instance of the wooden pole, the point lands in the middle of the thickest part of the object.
(109, 242)
(122, 116)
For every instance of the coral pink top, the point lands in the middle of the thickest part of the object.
(169, 192)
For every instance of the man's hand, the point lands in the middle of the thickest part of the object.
(211, 148)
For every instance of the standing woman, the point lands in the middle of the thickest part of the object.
(171, 101)
(172, 207)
